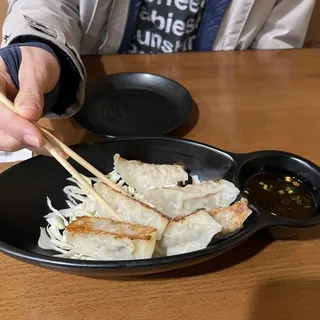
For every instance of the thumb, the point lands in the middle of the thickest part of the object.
(29, 100)
(38, 74)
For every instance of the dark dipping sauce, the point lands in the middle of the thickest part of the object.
(282, 194)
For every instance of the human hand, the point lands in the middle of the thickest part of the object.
(39, 73)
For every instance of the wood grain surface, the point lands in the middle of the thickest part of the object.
(246, 101)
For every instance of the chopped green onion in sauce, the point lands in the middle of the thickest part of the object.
(282, 194)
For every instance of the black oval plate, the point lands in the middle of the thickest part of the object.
(24, 189)
(134, 104)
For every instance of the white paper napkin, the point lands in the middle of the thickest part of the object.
(20, 155)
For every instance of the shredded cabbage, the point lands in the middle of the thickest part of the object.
(80, 204)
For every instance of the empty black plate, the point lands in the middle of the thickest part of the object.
(134, 104)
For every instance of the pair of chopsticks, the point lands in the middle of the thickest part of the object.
(52, 145)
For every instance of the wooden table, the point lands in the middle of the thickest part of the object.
(247, 101)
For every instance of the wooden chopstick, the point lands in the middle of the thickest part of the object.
(50, 142)
(84, 184)
(81, 161)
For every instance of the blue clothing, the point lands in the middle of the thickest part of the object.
(212, 15)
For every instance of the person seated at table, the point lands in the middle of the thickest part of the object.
(42, 72)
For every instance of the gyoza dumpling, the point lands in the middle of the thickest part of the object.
(106, 239)
(131, 210)
(232, 218)
(145, 176)
(178, 201)
(189, 233)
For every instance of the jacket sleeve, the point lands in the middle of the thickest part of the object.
(55, 22)
(286, 26)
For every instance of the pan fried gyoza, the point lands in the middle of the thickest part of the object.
(179, 201)
(106, 239)
(232, 218)
(188, 233)
(145, 176)
(161, 216)
(131, 210)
